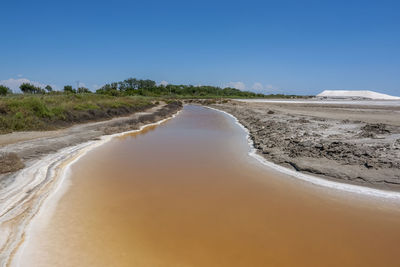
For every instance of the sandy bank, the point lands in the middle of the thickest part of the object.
(353, 144)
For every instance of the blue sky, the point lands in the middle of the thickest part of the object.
(300, 47)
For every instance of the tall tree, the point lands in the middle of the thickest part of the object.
(49, 88)
(69, 89)
(83, 90)
(4, 90)
(28, 88)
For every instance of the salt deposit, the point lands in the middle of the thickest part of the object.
(356, 94)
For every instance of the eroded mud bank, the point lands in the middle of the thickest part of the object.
(356, 144)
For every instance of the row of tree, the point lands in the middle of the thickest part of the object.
(28, 88)
(134, 86)
(80, 90)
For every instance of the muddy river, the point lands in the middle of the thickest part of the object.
(187, 193)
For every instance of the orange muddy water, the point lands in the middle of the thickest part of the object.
(186, 193)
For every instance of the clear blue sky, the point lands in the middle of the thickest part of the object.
(283, 46)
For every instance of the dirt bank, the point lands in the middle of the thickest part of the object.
(21, 148)
(355, 144)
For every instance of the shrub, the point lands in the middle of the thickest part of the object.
(4, 90)
(49, 88)
(28, 88)
(38, 107)
(83, 90)
(86, 106)
(69, 89)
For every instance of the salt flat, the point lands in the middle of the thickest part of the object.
(328, 102)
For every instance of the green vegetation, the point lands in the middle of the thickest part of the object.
(28, 88)
(149, 88)
(4, 90)
(69, 90)
(49, 88)
(51, 111)
(134, 86)
(43, 109)
(83, 90)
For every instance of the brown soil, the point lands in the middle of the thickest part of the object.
(10, 162)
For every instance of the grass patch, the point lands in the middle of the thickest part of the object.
(86, 106)
(45, 112)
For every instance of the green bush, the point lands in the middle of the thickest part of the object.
(68, 89)
(49, 88)
(83, 90)
(28, 88)
(4, 90)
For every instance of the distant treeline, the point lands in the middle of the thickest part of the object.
(132, 86)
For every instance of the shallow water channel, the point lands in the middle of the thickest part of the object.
(186, 193)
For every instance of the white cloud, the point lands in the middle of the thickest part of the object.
(237, 85)
(163, 83)
(81, 84)
(269, 88)
(14, 84)
(258, 87)
(265, 89)
(19, 75)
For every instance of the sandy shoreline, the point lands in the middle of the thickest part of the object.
(22, 193)
(357, 145)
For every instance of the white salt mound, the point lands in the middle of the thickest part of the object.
(356, 94)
